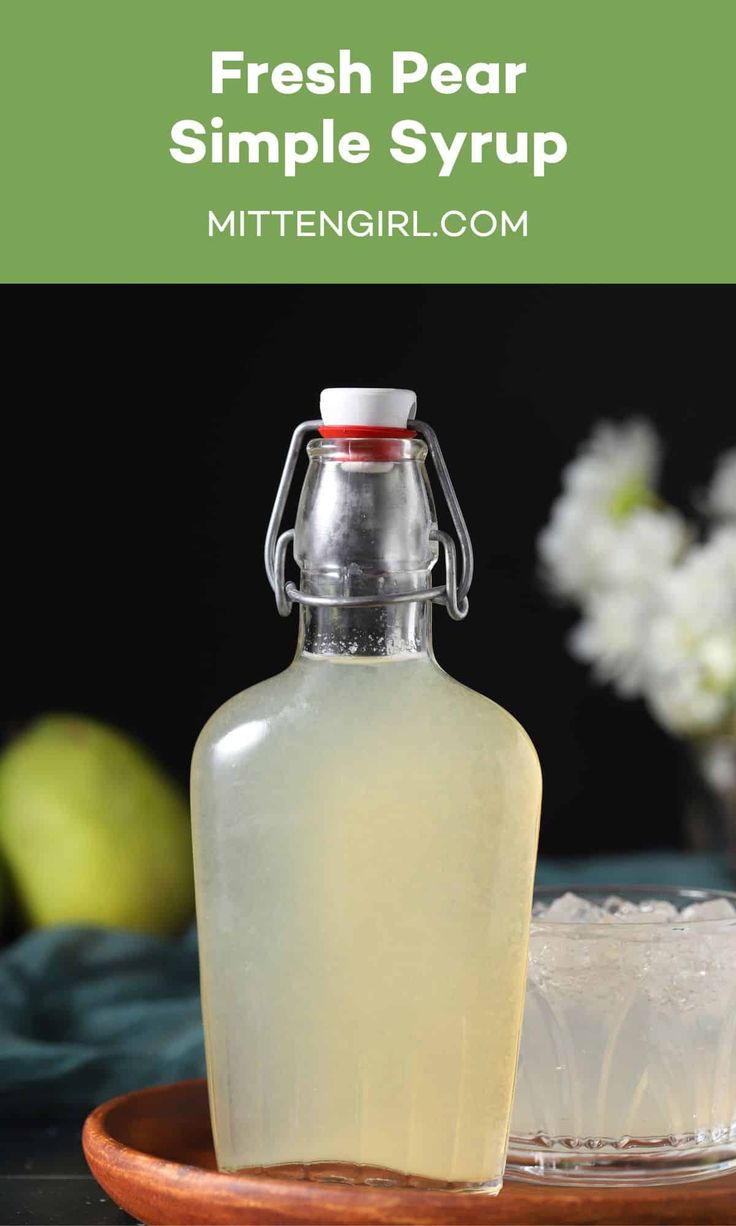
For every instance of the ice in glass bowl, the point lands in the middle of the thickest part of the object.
(627, 1070)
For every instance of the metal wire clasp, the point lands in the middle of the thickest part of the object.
(453, 593)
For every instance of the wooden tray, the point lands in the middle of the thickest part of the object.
(152, 1152)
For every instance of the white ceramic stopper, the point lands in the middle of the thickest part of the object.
(367, 406)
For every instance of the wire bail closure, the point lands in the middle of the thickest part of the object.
(453, 593)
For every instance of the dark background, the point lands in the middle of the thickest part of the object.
(145, 429)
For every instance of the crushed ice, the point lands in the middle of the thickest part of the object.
(569, 908)
(598, 954)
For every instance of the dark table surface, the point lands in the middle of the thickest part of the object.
(45, 1181)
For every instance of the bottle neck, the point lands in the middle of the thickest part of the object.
(384, 630)
(364, 528)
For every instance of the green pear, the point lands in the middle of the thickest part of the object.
(92, 830)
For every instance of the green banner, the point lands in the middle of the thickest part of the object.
(224, 140)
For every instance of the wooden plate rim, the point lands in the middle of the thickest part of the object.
(145, 1179)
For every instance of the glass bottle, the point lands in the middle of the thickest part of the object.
(365, 833)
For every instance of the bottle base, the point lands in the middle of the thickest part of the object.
(355, 1174)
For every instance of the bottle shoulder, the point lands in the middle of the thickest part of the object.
(244, 708)
(415, 699)
(479, 708)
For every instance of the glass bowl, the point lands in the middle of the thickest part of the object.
(627, 1069)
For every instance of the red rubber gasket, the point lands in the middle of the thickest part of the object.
(365, 432)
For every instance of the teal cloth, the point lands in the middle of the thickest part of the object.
(696, 870)
(86, 1013)
(89, 1013)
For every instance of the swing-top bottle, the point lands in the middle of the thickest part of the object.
(365, 833)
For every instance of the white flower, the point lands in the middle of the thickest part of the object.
(610, 637)
(721, 497)
(642, 547)
(656, 621)
(718, 763)
(689, 649)
(619, 456)
(604, 529)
